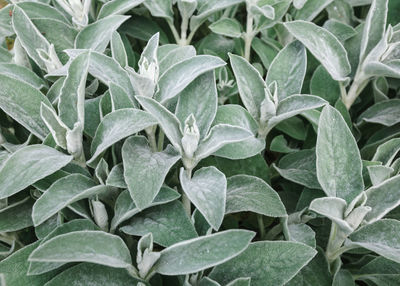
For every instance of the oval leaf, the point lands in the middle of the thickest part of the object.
(28, 165)
(277, 262)
(248, 193)
(288, 70)
(324, 46)
(119, 125)
(175, 79)
(197, 254)
(97, 35)
(86, 246)
(63, 192)
(168, 223)
(145, 170)
(207, 191)
(339, 166)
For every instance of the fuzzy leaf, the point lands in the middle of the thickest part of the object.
(117, 7)
(227, 27)
(174, 56)
(288, 70)
(374, 28)
(29, 36)
(250, 84)
(125, 208)
(200, 98)
(236, 115)
(167, 120)
(118, 125)
(23, 74)
(95, 274)
(145, 170)
(207, 191)
(107, 70)
(299, 167)
(15, 266)
(387, 152)
(28, 165)
(219, 136)
(385, 113)
(197, 254)
(382, 199)
(16, 216)
(208, 8)
(118, 49)
(24, 109)
(324, 46)
(339, 166)
(380, 237)
(72, 97)
(86, 246)
(294, 105)
(248, 193)
(168, 223)
(277, 262)
(62, 193)
(97, 35)
(179, 76)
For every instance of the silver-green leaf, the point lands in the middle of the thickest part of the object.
(27, 166)
(197, 254)
(339, 166)
(145, 170)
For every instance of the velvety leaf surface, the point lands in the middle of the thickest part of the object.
(86, 246)
(175, 79)
(168, 223)
(125, 208)
(250, 85)
(24, 109)
(118, 125)
(204, 252)
(339, 167)
(28, 165)
(88, 274)
(144, 170)
(248, 193)
(62, 193)
(273, 261)
(380, 237)
(324, 46)
(15, 266)
(207, 191)
(288, 70)
(96, 36)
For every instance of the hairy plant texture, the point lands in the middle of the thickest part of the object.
(200, 142)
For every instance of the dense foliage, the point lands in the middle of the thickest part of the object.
(200, 142)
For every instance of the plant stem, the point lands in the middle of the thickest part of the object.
(248, 36)
(343, 92)
(151, 134)
(133, 271)
(359, 83)
(81, 160)
(334, 248)
(261, 225)
(190, 37)
(185, 199)
(174, 31)
(160, 140)
(273, 232)
(184, 27)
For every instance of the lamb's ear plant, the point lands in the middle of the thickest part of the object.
(200, 142)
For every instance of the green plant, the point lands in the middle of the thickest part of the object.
(200, 142)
